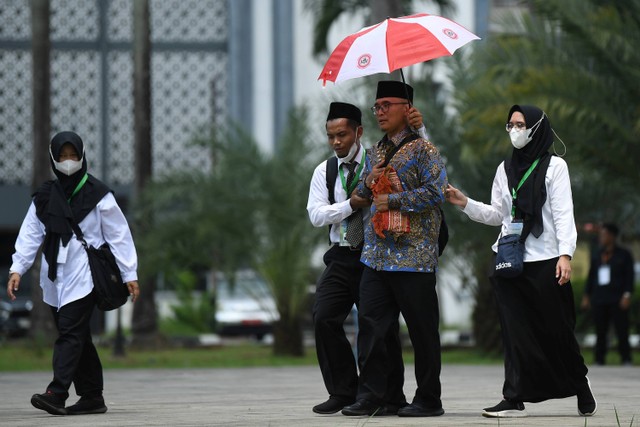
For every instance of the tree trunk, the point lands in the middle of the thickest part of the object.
(42, 327)
(287, 334)
(145, 323)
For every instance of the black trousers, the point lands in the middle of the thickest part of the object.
(603, 314)
(336, 293)
(383, 296)
(537, 318)
(75, 359)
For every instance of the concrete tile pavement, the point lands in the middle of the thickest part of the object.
(284, 397)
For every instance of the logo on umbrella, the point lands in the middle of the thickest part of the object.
(364, 60)
(450, 33)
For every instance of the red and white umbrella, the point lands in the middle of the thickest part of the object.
(392, 44)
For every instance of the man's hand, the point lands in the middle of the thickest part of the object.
(358, 202)
(415, 118)
(586, 302)
(563, 270)
(13, 285)
(382, 202)
(134, 290)
(625, 302)
(374, 174)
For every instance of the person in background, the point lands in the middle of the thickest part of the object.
(531, 196)
(331, 203)
(608, 293)
(65, 276)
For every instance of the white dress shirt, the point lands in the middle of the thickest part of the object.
(559, 233)
(321, 212)
(105, 223)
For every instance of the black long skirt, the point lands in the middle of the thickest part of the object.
(537, 316)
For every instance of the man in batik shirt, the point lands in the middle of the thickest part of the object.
(399, 275)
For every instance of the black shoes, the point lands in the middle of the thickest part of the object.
(418, 410)
(587, 405)
(368, 408)
(505, 409)
(88, 405)
(331, 406)
(50, 402)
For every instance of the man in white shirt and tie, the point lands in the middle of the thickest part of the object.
(331, 204)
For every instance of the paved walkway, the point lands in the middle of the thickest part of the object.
(284, 397)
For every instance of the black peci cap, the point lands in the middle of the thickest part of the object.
(342, 110)
(394, 89)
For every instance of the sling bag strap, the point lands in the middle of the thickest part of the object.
(411, 137)
(527, 225)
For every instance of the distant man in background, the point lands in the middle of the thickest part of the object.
(608, 293)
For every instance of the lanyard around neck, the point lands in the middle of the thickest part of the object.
(514, 191)
(356, 177)
(79, 186)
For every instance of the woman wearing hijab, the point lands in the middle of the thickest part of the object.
(531, 195)
(65, 276)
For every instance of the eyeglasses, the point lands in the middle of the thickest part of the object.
(517, 125)
(384, 107)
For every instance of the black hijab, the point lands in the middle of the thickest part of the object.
(52, 203)
(533, 193)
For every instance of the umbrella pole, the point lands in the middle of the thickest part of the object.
(406, 91)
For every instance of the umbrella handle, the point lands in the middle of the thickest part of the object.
(406, 91)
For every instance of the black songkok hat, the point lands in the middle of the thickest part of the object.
(342, 110)
(394, 89)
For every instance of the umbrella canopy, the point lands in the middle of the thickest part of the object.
(392, 44)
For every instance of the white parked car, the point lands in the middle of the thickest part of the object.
(245, 307)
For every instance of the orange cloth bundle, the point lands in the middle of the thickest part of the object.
(392, 220)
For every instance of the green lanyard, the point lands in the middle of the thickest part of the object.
(514, 191)
(79, 186)
(355, 178)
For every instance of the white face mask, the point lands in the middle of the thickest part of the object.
(352, 150)
(520, 138)
(67, 167)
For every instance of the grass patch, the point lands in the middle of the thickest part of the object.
(20, 356)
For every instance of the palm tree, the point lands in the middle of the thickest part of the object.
(249, 212)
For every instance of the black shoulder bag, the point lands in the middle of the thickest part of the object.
(109, 290)
(510, 256)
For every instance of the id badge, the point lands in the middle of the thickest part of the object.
(62, 254)
(343, 234)
(604, 275)
(515, 227)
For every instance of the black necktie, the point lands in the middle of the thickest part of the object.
(355, 229)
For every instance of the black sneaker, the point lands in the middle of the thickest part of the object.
(365, 407)
(505, 409)
(51, 402)
(88, 405)
(587, 405)
(331, 406)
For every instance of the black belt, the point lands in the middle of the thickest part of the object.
(351, 248)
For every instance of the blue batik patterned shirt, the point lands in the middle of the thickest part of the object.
(424, 179)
